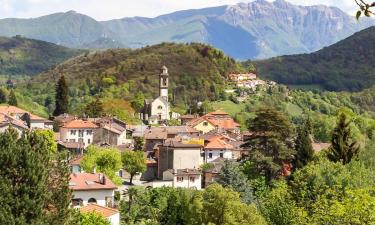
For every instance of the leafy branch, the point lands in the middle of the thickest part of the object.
(364, 8)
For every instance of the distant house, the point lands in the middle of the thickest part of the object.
(75, 164)
(184, 178)
(78, 131)
(7, 121)
(217, 120)
(112, 215)
(111, 131)
(30, 120)
(212, 174)
(237, 77)
(185, 119)
(91, 188)
(217, 147)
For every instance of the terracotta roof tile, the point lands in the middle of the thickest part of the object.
(89, 181)
(218, 142)
(79, 124)
(101, 210)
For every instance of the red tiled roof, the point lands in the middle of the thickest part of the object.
(9, 110)
(89, 181)
(218, 119)
(217, 113)
(218, 142)
(77, 161)
(79, 124)
(101, 210)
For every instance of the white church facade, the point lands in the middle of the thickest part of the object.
(158, 110)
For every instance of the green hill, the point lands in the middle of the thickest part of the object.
(346, 65)
(197, 73)
(21, 56)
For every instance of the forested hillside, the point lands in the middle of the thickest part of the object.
(346, 65)
(21, 56)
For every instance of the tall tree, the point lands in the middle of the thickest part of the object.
(94, 108)
(271, 142)
(303, 146)
(343, 147)
(138, 101)
(133, 162)
(61, 98)
(139, 142)
(12, 98)
(26, 166)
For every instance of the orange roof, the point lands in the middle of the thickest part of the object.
(9, 110)
(79, 124)
(77, 161)
(218, 142)
(217, 112)
(101, 210)
(89, 181)
(226, 123)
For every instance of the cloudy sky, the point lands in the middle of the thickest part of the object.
(110, 9)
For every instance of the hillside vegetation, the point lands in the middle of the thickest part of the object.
(197, 73)
(347, 65)
(21, 56)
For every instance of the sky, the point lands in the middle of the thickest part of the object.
(113, 9)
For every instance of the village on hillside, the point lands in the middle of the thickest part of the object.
(188, 155)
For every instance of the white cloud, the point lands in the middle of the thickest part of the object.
(109, 9)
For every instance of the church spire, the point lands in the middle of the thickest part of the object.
(163, 82)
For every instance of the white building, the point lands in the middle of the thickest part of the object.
(184, 178)
(158, 110)
(217, 147)
(78, 131)
(112, 215)
(91, 188)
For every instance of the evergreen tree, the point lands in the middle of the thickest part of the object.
(138, 102)
(3, 96)
(94, 108)
(271, 142)
(343, 147)
(303, 146)
(12, 98)
(62, 99)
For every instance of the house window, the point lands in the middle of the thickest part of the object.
(92, 200)
(180, 179)
(221, 155)
(80, 133)
(77, 201)
(73, 132)
(210, 155)
(89, 132)
(88, 141)
(192, 179)
(205, 124)
(160, 107)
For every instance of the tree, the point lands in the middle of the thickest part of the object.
(138, 101)
(133, 162)
(303, 146)
(223, 206)
(343, 147)
(28, 168)
(271, 142)
(232, 176)
(3, 96)
(12, 98)
(94, 108)
(61, 98)
(105, 160)
(364, 8)
(139, 142)
(91, 218)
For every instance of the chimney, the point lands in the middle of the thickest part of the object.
(102, 178)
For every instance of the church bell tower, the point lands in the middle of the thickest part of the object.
(163, 83)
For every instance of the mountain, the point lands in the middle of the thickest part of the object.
(21, 56)
(254, 30)
(346, 65)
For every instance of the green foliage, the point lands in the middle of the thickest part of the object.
(94, 109)
(343, 148)
(303, 146)
(346, 65)
(138, 101)
(61, 98)
(12, 98)
(133, 162)
(34, 182)
(232, 176)
(105, 160)
(3, 96)
(91, 218)
(271, 142)
(139, 143)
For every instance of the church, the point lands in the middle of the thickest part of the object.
(158, 110)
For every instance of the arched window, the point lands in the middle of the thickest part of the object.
(160, 107)
(92, 200)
